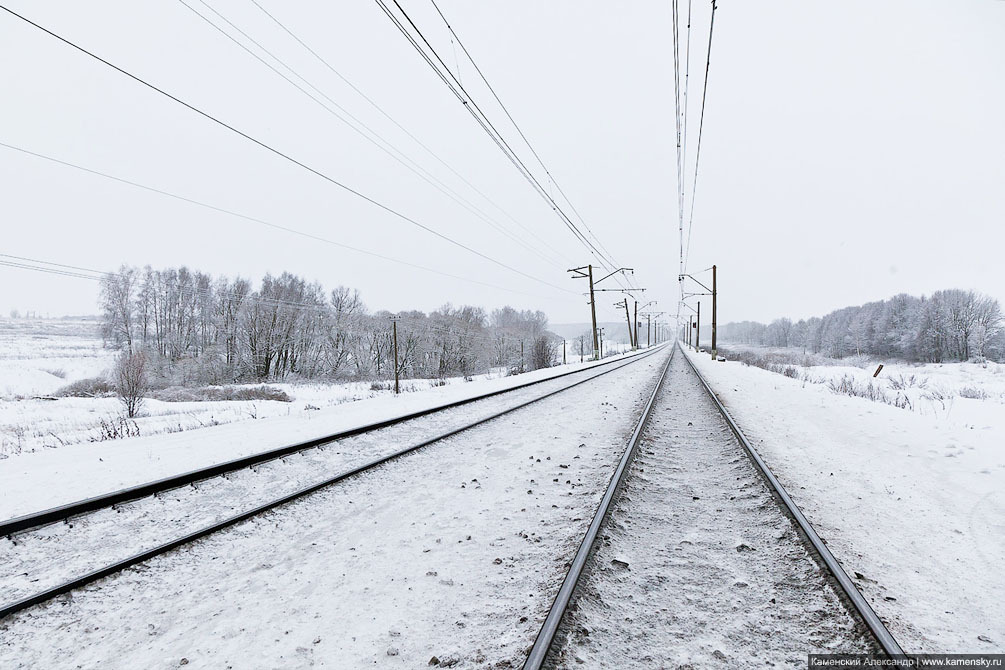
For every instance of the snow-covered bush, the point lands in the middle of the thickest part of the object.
(92, 387)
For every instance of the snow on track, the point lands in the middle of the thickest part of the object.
(699, 566)
(48, 556)
(454, 551)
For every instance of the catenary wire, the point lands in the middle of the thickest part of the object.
(281, 154)
(471, 105)
(403, 129)
(276, 226)
(361, 128)
(519, 130)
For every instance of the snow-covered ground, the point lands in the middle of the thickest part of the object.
(699, 567)
(911, 502)
(53, 554)
(40, 356)
(454, 552)
(41, 479)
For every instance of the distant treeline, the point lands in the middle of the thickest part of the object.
(950, 325)
(203, 330)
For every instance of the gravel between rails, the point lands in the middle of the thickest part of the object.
(698, 566)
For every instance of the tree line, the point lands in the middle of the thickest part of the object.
(197, 329)
(950, 325)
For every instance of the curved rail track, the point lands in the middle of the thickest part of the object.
(548, 639)
(65, 512)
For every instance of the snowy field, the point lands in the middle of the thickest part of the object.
(910, 498)
(38, 357)
(30, 481)
(448, 557)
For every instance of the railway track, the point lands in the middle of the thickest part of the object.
(372, 446)
(599, 592)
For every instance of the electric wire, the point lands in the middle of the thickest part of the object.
(473, 108)
(701, 125)
(402, 128)
(370, 135)
(280, 153)
(276, 226)
(75, 271)
(519, 130)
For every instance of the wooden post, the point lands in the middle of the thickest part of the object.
(714, 350)
(563, 352)
(593, 310)
(628, 320)
(635, 344)
(394, 326)
(697, 330)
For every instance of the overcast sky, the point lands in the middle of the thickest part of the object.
(851, 150)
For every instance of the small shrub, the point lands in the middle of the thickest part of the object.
(59, 373)
(848, 386)
(790, 372)
(94, 387)
(116, 429)
(438, 382)
(381, 386)
(221, 394)
(900, 382)
(973, 393)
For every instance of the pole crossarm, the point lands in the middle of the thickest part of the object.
(619, 290)
(680, 278)
(621, 270)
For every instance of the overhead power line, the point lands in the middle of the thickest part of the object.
(281, 154)
(701, 126)
(430, 323)
(361, 128)
(402, 128)
(520, 130)
(471, 105)
(246, 217)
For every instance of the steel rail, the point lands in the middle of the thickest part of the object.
(64, 512)
(876, 626)
(77, 582)
(549, 629)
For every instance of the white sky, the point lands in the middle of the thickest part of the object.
(852, 150)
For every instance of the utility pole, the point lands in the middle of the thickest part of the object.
(579, 274)
(521, 356)
(563, 352)
(580, 348)
(648, 331)
(636, 343)
(394, 327)
(628, 319)
(697, 330)
(714, 350)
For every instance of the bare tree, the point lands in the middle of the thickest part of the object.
(131, 381)
(117, 302)
(542, 354)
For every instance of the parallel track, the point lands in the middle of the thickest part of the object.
(69, 510)
(91, 504)
(547, 637)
